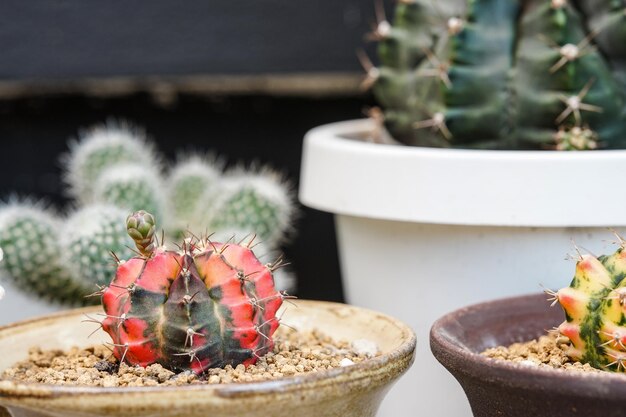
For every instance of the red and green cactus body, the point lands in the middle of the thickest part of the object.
(208, 305)
(595, 311)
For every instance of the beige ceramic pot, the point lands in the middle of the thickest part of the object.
(351, 391)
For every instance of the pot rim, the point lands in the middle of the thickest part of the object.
(454, 356)
(341, 173)
(404, 352)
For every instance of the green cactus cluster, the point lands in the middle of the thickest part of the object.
(112, 170)
(503, 74)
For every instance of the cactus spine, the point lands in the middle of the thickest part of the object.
(595, 310)
(207, 305)
(503, 74)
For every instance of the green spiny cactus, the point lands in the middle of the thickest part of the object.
(255, 202)
(131, 187)
(503, 74)
(29, 238)
(91, 237)
(101, 147)
(595, 310)
(192, 181)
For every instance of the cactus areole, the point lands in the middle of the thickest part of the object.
(595, 310)
(207, 305)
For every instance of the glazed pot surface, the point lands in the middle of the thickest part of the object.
(344, 172)
(355, 390)
(500, 388)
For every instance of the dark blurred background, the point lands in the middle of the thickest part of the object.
(245, 79)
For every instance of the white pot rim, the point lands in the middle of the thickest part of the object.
(345, 175)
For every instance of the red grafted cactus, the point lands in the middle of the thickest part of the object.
(207, 305)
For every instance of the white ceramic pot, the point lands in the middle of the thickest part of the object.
(423, 231)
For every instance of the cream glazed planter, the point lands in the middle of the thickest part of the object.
(424, 231)
(350, 391)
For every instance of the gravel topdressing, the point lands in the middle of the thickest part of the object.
(294, 353)
(547, 351)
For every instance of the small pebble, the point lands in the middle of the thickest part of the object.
(364, 347)
(106, 366)
(346, 362)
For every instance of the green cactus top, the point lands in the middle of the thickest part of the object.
(504, 74)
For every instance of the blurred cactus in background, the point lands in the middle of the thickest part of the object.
(102, 147)
(255, 201)
(2, 291)
(89, 237)
(503, 74)
(30, 238)
(112, 170)
(193, 181)
(131, 187)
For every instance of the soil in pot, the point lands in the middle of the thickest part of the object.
(294, 353)
(546, 351)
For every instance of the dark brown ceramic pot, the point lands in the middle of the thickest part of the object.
(500, 388)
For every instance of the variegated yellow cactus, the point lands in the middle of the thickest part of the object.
(595, 310)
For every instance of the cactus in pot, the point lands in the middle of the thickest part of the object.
(503, 74)
(206, 305)
(595, 310)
